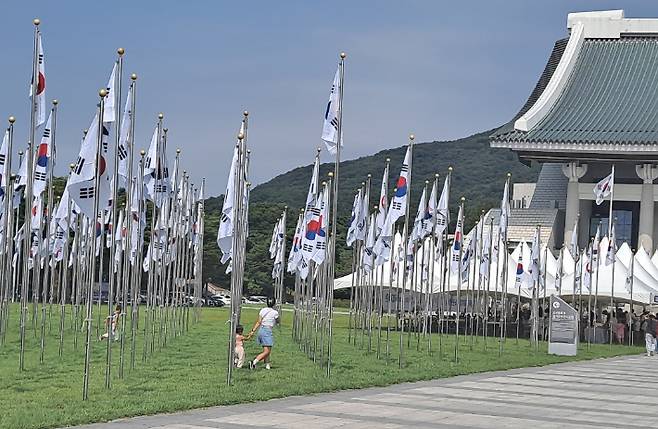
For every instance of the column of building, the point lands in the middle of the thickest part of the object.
(648, 173)
(574, 172)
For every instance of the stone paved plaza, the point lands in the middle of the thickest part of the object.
(610, 393)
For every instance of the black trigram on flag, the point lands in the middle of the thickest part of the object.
(225, 218)
(87, 192)
(307, 247)
(396, 205)
(106, 135)
(368, 252)
(59, 234)
(315, 211)
(404, 168)
(147, 162)
(304, 264)
(40, 175)
(123, 153)
(334, 123)
(161, 188)
(2, 159)
(321, 245)
(46, 133)
(79, 164)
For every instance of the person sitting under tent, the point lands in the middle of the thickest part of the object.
(111, 324)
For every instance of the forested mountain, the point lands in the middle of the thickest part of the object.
(479, 174)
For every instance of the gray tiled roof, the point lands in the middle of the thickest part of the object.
(522, 223)
(551, 188)
(611, 97)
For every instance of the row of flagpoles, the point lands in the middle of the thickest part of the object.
(61, 243)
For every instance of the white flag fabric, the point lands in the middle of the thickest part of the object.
(225, 231)
(442, 213)
(417, 231)
(395, 211)
(362, 219)
(351, 229)
(535, 251)
(320, 251)
(274, 242)
(458, 241)
(430, 212)
(40, 85)
(383, 202)
(109, 106)
(296, 247)
(81, 182)
(467, 255)
(37, 213)
(558, 273)
(504, 213)
(612, 247)
(603, 189)
(44, 156)
(125, 139)
(4, 167)
(574, 241)
(485, 259)
(587, 275)
(628, 284)
(368, 255)
(331, 116)
(596, 248)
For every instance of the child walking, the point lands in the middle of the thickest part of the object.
(238, 358)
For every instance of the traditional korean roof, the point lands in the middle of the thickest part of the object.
(598, 92)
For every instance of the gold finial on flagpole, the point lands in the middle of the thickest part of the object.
(71, 166)
(177, 152)
(436, 175)
(343, 55)
(245, 113)
(412, 137)
(388, 159)
(36, 21)
(331, 174)
(142, 152)
(240, 136)
(121, 51)
(427, 182)
(102, 93)
(55, 102)
(160, 115)
(509, 174)
(133, 76)
(462, 199)
(450, 168)
(12, 119)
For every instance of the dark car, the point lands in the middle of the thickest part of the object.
(212, 301)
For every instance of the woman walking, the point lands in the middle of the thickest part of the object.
(267, 318)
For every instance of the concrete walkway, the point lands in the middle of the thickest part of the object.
(609, 393)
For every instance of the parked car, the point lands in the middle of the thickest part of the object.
(214, 301)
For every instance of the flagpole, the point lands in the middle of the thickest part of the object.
(28, 193)
(8, 244)
(432, 261)
(85, 387)
(115, 185)
(503, 333)
(48, 280)
(488, 298)
(612, 290)
(459, 279)
(589, 298)
(405, 238)
(630, 315)
(334, 218)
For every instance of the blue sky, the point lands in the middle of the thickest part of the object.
(441, 70)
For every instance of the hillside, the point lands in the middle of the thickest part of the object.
(479, 175)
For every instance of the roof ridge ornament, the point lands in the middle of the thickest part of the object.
(556, 84)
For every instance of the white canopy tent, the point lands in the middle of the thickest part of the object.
(645, 274)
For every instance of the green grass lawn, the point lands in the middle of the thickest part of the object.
(190, 372)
